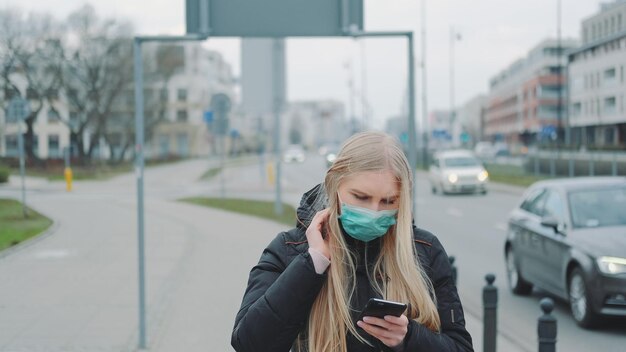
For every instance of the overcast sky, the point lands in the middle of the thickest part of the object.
(494, 34)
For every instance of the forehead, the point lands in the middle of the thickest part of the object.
(374, 183)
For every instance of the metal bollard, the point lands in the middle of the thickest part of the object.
(546, 327)
(454, 270)
(490, 306)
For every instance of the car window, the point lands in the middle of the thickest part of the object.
(534, 202)
(461, 162)
(554, 206)
(598, 207)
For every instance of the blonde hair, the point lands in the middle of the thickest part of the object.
(330, 320)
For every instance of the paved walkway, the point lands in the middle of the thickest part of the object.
(75, 289)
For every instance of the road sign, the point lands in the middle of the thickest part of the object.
(220, 103)
(208, 117)
(18, 109)
(273, 18)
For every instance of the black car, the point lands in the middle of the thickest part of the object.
(568, 237)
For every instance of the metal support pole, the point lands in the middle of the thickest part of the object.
(425, 124)
(592, 170)
(20, 142)
(222, 166)
(278, 81)
(571, 165)
(547, 327)
(411, 124)
(552, 167)
(139, 165)
(490, 306)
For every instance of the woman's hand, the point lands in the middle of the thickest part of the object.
(314, 233)
(391, 331)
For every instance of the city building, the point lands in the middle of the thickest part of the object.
(597, 82)
(185, 96)
(471, 118)
(51, 136)
(524, 104)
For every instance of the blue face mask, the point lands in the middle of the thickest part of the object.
(364, 224)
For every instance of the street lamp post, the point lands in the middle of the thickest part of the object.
(454, 36)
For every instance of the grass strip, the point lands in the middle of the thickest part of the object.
(257, 208)
(14, 228)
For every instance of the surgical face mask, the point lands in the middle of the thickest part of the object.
(364, 224)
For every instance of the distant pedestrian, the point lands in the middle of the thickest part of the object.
(354, 240)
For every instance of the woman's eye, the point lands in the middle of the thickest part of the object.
(389, 201)
(359, 197)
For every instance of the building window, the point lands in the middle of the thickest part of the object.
(576, 109)
(11, 146)
(53, 146)
(182, 94)
(164, 145)
(182, 143)
(53, 116)
(181, 115)
(164, 95)
(610, 106)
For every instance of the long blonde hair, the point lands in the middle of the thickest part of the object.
(330, 320)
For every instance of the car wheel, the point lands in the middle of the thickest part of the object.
(517, 283)
(579, 301)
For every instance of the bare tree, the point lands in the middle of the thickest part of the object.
(98, 72)
(31, 52)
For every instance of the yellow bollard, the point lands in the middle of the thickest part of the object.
(270, 173)
(68, 179)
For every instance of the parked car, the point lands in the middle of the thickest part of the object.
(457, 171)
(568, 237)
(294, 153)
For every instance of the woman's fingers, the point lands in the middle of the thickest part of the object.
(314, 233)
(391, 331)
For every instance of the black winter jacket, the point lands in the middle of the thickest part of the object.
(283, 285)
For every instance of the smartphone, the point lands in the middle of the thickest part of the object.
(378, 308)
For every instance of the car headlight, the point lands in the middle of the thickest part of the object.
(612, 265)
(453, 178)
(331, 157)
(483, 176)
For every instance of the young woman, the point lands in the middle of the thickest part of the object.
(355, 240)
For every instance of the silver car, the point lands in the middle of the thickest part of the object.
(457, 171)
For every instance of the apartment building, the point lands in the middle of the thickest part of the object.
(597, 112)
